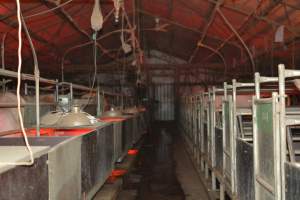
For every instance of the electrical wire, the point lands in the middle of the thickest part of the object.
(86, 44)
(31, 162)
(36, 76)
(95, 72)
(47, 11)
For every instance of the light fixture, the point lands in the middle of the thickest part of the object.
(126, 47)
(74, 118)
(112, 113)
(134, 62)
(117, 4)
(157, 21)
(97, 17)
(279, 34)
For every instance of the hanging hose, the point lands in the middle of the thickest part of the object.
(95, 70)
(36, 77)
(31, 162)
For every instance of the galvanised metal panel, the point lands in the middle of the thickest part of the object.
(64, 163)
(33, 141)
(245, 170)
(227, 128)
(227, 110)
(118, 153)
(292, 175)
(141, 125)
(34, 182)
(219, 149)
(142, 122)
(26, 183)
(96, 159)
(135, 130)
(127, 134)
(205, 138)
(265, 139)
(209, 131)
(266, 144)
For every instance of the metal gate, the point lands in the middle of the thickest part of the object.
(266, 149)
(227, 143)
(164, 101)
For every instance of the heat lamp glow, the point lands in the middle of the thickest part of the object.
(116, 174)
(133, 152)
(51, 132)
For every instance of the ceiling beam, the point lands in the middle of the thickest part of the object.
(185, 27)
(14, 13)
(244, 23)
(264, 13)
(209, 20)
(262, 18)
(66, 17)
(36, 37)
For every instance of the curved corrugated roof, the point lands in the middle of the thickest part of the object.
(198, 31)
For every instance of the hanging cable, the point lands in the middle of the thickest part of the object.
(36, 77)
(96, 25)
(28, 163)
(47, 11)
(87, 43)
(95, 70)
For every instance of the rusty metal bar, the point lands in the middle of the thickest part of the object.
(211, 19)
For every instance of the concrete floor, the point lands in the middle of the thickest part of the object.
(187, 175)
(166, 171)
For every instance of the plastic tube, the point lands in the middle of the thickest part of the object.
(31, 162)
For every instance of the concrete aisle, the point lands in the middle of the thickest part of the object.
(187, 175)
(165, 169)
(157, 167)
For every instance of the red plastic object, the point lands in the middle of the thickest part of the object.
(133, 152)
(116, 174)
